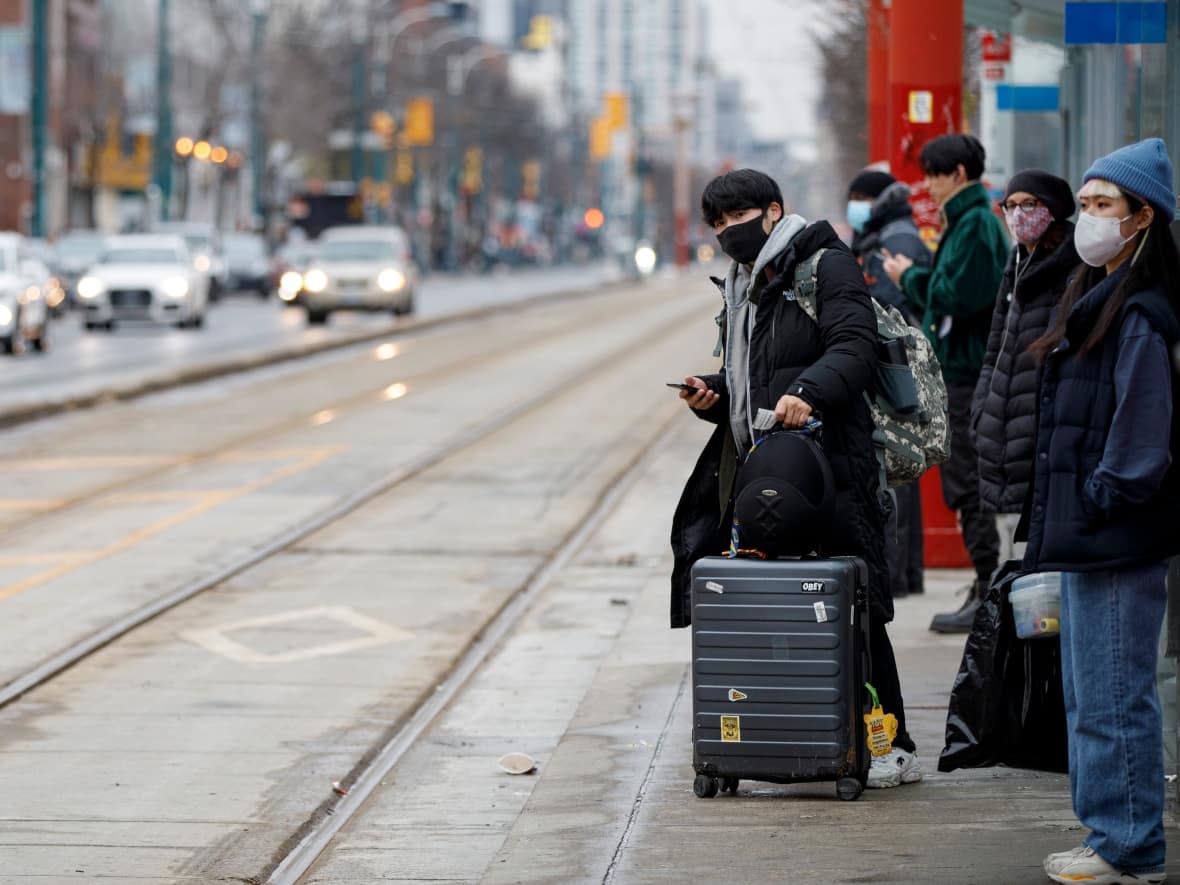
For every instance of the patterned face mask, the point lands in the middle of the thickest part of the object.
(1028, 227)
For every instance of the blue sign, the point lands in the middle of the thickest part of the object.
(1126, 22)
(1027, 99)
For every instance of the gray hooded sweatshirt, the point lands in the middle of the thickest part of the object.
(743, 286)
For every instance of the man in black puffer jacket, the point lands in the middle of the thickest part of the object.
(882, 222)
(778, 359)
(1037, 207)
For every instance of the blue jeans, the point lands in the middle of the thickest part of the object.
(1110, 626)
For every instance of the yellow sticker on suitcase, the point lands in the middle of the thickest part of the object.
(731, 728)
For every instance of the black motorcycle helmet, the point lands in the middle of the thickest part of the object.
(786, 498)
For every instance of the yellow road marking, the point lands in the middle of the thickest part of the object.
(161, 497)
(24, 504)
(311, 458)
(38, 558)
(18, 465)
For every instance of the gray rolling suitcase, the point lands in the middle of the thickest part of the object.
(779, 662)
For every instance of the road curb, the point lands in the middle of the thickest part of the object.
(11, 416)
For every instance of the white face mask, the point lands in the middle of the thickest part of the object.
(1099, 239)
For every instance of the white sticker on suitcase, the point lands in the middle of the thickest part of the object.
(821, 612)
(714, 586)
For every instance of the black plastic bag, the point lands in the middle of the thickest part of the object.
(1007, 705)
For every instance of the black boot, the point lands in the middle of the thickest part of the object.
(961, 620)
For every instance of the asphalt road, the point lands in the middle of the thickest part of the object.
(195, 747)
(81, 362)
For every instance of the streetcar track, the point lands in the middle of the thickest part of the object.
(307, 844)
(32, 520)
(121, 626)
(198, 373)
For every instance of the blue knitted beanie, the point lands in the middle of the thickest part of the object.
(1142, 169)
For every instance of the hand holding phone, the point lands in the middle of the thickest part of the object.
(680, 386)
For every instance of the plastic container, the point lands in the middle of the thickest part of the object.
(1036, 604)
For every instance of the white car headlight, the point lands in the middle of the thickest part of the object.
(90, 287)
(174, 287)
(5, 314)
(289, 285)
(315, 280)
(645, 259)
(390, 280)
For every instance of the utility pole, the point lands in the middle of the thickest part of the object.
(681, 181)
(162, 151)
(360, 94)
(39, 113)
(257, 135)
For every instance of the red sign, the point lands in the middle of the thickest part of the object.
(997, 47)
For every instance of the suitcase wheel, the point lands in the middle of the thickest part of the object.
(729, 785)
(705, 786)
(849, 788)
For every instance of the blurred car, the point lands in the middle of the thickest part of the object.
(247, 264)
(43, 255)
(145, 277)
(364, 267)
(204, 242)
(289, 263)
(24, 315)
(73, 253)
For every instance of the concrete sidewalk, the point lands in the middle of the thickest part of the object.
(596, 816)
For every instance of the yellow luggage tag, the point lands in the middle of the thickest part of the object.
(882, 726)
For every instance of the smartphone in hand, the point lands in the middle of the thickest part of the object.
(680, 386)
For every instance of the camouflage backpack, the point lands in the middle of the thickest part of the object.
(909, 405)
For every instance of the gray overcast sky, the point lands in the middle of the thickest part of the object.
(767, 43)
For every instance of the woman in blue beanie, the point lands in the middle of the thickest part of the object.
(1105, 503)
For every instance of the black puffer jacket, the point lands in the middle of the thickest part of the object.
(1004, 413)
(891, 228)
(828, 365)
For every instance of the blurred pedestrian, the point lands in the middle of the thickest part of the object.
(778, 359)
(1105, 504)
(955, 297)
(1037, 207)
(882, 220)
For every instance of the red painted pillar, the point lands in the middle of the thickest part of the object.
(878, 81)
(925, 100)
(925, 90)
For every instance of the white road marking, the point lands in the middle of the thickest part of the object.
(218, 641)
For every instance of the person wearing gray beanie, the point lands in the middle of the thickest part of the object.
(1104, 504)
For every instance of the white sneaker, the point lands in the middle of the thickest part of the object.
(1086, 866)
(899, 767)
(1058, 860)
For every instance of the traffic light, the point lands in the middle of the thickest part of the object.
(530, 173)
(383, 124)
(472, 171)
(615, 109)
(419, 129)
(403, 172)
(600, 133)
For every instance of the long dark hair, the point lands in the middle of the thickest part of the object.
(1158, 265)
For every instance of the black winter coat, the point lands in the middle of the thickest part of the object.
(1076, 411)
(829, 365)
(890, 227)
(1004, 413)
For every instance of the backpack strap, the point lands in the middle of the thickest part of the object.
(807, 284)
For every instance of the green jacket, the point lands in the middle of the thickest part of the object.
(957, 294)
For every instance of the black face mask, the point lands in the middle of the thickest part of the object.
(742, 242)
